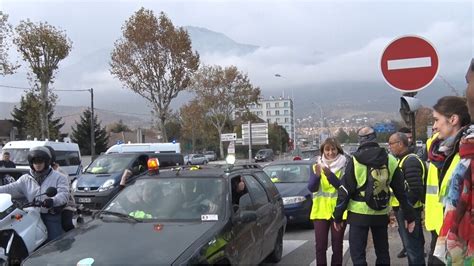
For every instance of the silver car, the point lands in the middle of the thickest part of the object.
(195, 159)
(210, 155)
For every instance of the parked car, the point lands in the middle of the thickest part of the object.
(291, 179)
(196, 224)
(210, 155)
(195, 159)
(264, 155)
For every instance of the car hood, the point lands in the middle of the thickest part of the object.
(121, 243)
(293, 189)
(95, 180)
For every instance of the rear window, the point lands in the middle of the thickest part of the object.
(288, 173)
(18, 156)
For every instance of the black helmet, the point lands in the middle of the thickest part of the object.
(53, 154)
(39, 152)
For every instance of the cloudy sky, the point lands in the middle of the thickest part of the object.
(309, 43)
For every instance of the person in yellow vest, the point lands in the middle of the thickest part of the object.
(450, 115)
(413, 169)
(365, 194)
(324, 182)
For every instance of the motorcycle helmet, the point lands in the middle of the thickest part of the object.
(53, 155)
(40, 153)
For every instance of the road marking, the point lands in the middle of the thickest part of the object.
(416, 62)
(345, 247)
(290, 245)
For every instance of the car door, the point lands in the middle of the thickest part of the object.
(244, 245)
(264, 211)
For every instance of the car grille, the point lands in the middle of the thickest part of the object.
(87, 188)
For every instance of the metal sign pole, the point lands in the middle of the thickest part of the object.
(250, 142)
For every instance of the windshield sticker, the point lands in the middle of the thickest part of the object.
(209, 217)
(85, 262)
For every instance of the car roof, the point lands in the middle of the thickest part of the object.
(298, 162)
(213, 171)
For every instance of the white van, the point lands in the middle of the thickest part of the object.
(145, 147)
(68, 155)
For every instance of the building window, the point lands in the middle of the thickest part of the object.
(277, 105)
(269, 120)
(277, 112)
(287, 128)
(269, 113)
(287, 112)
(287, 120)
(259, 106)
(278, 120)
(285, 104)
(259, 112)
(268, 105)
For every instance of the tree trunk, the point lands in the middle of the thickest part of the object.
(221, 145)
(163, 129)
(44, 111)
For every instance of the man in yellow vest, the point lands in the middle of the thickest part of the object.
(365, 193)
(413, 170)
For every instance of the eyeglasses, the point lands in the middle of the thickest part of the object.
(392, 143)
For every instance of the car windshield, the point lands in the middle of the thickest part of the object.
(110, 164)
(172, 199)
(18, 156)
(288, 173)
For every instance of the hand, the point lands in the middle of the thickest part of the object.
(410, 226)
(47, 203)
(338, 226)
(318, 170)
(326, 170)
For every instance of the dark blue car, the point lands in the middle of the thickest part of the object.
(291, 179)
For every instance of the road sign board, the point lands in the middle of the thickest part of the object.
(231, 148)
(229, 137)
(409, 63)
(259, 133)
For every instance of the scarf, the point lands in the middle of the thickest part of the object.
(335, 164)
(455, 246)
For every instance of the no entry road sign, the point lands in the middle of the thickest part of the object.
(409, 63)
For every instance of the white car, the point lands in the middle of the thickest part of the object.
(195, 159)
(210, 155)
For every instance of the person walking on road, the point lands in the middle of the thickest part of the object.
(450, 115)
(414, 171)
(365, 194)
(323, 183)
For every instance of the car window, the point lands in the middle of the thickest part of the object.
(257, 192)
(288, 173)
(268, 184)
(67, 158)
(110, 164)
(172, 199)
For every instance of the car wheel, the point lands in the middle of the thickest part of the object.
(277, 252)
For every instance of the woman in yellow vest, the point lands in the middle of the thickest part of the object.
(324, 182)
(450, 115)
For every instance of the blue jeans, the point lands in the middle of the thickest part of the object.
(53, 225)
(414, 242)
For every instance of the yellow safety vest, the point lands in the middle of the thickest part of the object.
(393, 200)
(140, 215)
(433, 205)
(360, 170)
(324, 200)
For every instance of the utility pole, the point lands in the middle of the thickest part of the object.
(92, 124)
(250, 142)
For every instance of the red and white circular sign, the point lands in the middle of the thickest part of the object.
(409, 63)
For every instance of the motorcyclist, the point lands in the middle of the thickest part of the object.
(35, 183)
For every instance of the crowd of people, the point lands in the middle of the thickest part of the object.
(437, 183)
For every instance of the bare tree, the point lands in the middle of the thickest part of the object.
(43, 46)
(222, 91)
(155, 60)
(6, 67)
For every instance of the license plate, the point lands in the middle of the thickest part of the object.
(84, 200)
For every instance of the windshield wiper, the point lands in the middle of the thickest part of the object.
(121, 215)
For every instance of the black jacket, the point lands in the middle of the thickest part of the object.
(412, 169)
(372, 155)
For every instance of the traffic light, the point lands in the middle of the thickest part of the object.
(408, 107)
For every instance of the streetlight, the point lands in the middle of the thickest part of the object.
(293, 112)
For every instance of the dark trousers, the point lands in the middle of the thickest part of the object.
(321, 231)
(358, 243)
(414, 242)
(66, 220)
(432, 260)
(53, 225)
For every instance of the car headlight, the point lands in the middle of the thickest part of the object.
(74, 186)
(108, 184)
(293, 200)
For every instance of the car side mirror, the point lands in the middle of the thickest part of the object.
(245, 217)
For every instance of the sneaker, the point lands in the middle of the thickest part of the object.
(402, 254)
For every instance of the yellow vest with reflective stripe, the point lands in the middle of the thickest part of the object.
(433, 208)
(393, 200)
(324, 200)
(448, 175)
(360, 171)
(140, 214)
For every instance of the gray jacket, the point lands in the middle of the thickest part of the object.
(26, 186)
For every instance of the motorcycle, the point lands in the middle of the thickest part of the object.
(21, 229)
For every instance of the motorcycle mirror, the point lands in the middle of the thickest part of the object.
(51, 192)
